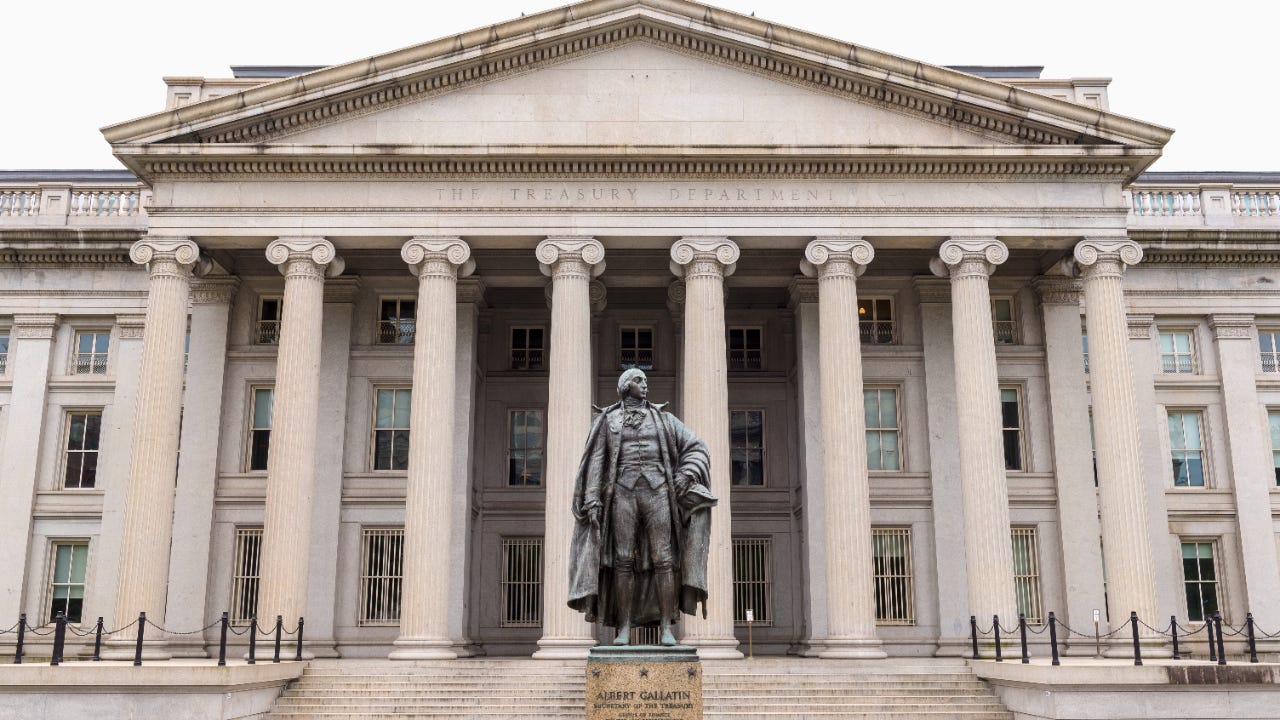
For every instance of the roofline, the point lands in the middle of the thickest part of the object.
(1209, 177)
(68, 176)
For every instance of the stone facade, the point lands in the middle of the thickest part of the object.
(821, 253)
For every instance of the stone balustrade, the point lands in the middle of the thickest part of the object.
(80, 199)
(1204, 200)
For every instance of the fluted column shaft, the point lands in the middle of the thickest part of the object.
(143, 582)
(1126, 546)
(851, 611)
(424, 607)
(987, 544)
(286, 527)
(570, 262)
(704, 263)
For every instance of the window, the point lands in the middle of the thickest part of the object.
(396, 322)
(84, 428)
(260, 427)
(1093, 449)
(875, 321)
(891, 563)
(381, 575)
(270, 311)
(4, 351)
(881, 409)
(521, 582)
(744, 348)
(1273, 419)
(751, 581)
(1186, 448)
(746, 446)
(1200, 579)
(526, 348)
(1026, 574)
(91, 353)
(1177, 354)
(1084, 342)
(1003, 326)
(244, 574)
(391, 429)
(635, 348)
(1268, 344)
(1011, 423)
(524, 448)
(66, 584)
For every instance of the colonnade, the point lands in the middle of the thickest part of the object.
(702, 263)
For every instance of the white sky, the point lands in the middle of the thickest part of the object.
(1208, 70)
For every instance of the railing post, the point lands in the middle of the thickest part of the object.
(22, 634)
(1137, 648)
(973, 633)
(275, 657)
(1022, 630)
(59, 638)
(1208, 627)
(1253, 646)
(1053, 637)
(253, 639)
(995, 625)
(97, 640)
(142, 629)
(222, 640)
(1173, 630)
(1222, 651)
(297, 655)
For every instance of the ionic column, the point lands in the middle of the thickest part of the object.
(851, 611)
(704, 263)
(143, 582)
(1126, 539)
(291, 465)
(428, 521)
(987, 544)
(571, 263)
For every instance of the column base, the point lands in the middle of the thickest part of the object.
(179, 648)
(715, 648)
(563, 648)
(467, 649)
(851, 649)
(422, 649)
(125, 649)
(949, 647)
(813, 648)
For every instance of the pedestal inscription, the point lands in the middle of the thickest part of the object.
(644, 683)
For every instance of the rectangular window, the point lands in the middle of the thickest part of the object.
(524, 448)
(752, 586)
(1200, 579)
(391, 429)
(745, 350)
(244, 574)
(1084, 342)
(1187, 449)
(746, 446)
(270, 311)
(521, 582)
(1011, 424)
(1003, 324)
(876, 325)
(893, 585)
(91, 353)
(635, 348)
(880, 406)
(1269, 346)
(381, 575)
(396, 322)
(260, 427)
(1026, 574)
(1177, 351)
(4, 351)
(84, 428)
(1273, 419)
(66, 583)
(1093, 449)
(527, 348)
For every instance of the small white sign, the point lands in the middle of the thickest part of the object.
(1097, 615)
(751, 616)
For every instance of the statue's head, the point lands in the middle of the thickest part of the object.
(635, 383)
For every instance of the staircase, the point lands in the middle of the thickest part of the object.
(762, 689)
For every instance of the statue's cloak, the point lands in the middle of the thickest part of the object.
(591, 558)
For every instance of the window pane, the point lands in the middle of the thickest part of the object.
(1192, 425)
(535, 337)
(75, 434)
(402, 403)
(1177, 438)
(871, 408)
(1003, 310)
(400, 450)
(1166, 342)
(388, 310)
(84, 343)
(62, 564)
(874, 461)
(385, 406)
(258, 451)
(74, 462)
(889, 445)
(92, 431)
(262, 399)
(89, 470)
(889, 408)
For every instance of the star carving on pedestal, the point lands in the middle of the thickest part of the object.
(595, 672)
(644, 672)
(692, 672)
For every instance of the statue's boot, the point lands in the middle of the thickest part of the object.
(667, 604)
(622, 592)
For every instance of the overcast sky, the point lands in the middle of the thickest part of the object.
(1208, 70)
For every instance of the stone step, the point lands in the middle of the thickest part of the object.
(577, 714)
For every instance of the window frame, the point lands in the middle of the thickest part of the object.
(1034, 578)
(746, 365)
(1021, 429)
(1012, 336)
(653, 341)
(1199, 413)
(527, 365)
(1192, 352)
(6, 349)
(398, 324)
(542, 447)
(1273, 427)
(52, 583)
(764, 452)
(1271, 366)
(384, 580)
(93, 354)
(240, 582)
(881, 582)
(252, 428)
(867, 430)
(258, 321)
(1084, 342)
(871, 336)
(1217, 582)
(753, 589)
(374, 429)
(535, 595)
(65, 451)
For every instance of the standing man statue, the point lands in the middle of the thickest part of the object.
(643, 512)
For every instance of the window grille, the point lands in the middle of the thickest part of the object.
(746, 446)
(1200, 579)
(752, 581)
(1026, 573)
(270, 312)
(745, 351)
(66, 581)
(635, 348)
(1273, 419)
(527, 348)
(381, 575)
(91, 353)
(260, 427)
(396, 322)
(880, 407)
(1186, 449)
(84, 429)
(524, 448)
(521, 582)
(876, 325)
(4, 352)
(244, 574)
(1177, 352)
(1003, 324)
(1268, 346)
(893, 584)
(1011, 425)
(391, 429)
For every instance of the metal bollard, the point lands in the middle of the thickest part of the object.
(59, 639)
(973, 633)
(1173, 630)
(142, 629)
(1208, 628)
(995, 624)
(1022, 630)
(1222, 651)
(1053, 637)
(1253, 646)
(97, 640)
(1137, 648)
(22, 634)
(222, 641)
(253, 639)
(297, 655)
(275, 657)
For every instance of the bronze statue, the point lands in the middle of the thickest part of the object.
(643, 512)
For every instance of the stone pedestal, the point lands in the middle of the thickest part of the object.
(644, 682)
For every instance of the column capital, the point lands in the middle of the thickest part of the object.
(309, 255)
(561, 255)
(438, 256)
(1232, 327)
(166, 255)
(802, 290)
(1140, 325)
(1055, 290)
(34, 327)
(1098, 257)
(704, 255)
(836, 256)
(960, 257)
(214, 291)
(131, 327)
